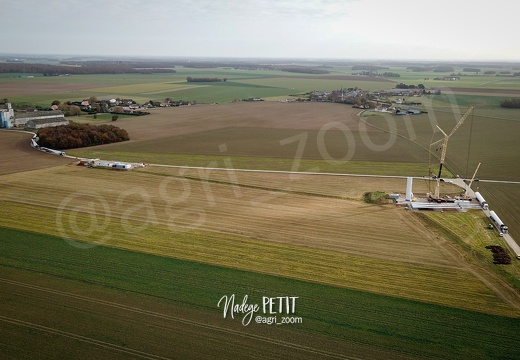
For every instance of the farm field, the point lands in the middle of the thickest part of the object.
(488, 140)
(300, 136)
(504, 197)
(21, 157)
(471, 231)
(240, 84)
(265, 130)
(139, 259)
(479, 139)
(94, 302)
(267, 229)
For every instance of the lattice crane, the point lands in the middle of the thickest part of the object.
(444, 147)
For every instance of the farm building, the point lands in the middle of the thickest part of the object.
(41, 123)
(54, 117)
(6, 115)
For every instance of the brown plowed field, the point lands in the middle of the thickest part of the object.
(19, 156)
(270, 115)
(20, 87)
(322, 131)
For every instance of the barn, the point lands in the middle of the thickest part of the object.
(53, 118)
(41, 123)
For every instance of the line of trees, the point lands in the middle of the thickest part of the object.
(443, 68)
(368, 67)
(303, 70)
(76, 135)
(390, 74)
(204, 79)
(404, 86)
(470, 69)
(55, 70)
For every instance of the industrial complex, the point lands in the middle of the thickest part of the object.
(30, 119)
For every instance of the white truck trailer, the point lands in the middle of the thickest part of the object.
(502, 228)
(481, 201)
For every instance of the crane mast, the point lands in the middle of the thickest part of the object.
(444, 148)
(474, 174)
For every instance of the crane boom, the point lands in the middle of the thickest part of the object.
(445, 147)
(474, 174)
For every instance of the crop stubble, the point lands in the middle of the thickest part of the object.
(314, 237)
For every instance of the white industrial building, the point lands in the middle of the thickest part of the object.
(30, 119)
(6, 115)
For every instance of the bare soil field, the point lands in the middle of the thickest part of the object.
(21, 88)
(266, 129)
(271, 115)
(19, 156)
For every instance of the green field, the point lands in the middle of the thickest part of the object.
(357, 323)
(470, 230)
(240, 84)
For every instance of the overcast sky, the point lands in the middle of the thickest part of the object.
(311, 29)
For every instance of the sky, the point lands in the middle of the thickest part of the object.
(307, 29)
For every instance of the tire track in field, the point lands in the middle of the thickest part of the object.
(70, 335)
(152, 314)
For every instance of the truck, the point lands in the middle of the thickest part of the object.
(481, 201)
(502, 228)
(55, 152)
